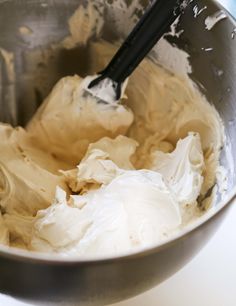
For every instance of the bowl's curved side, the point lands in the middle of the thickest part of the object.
(102, 282)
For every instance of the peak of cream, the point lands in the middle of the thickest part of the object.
(102, 163)
(182, 169)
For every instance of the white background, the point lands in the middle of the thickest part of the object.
(209, 280)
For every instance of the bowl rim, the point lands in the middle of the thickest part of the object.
(21, 255)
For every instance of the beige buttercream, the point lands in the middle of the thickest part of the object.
(28, 176)
(69, 120)
(105, 202)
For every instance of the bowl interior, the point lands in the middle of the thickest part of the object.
(33, 32)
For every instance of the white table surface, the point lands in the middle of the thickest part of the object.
(209, 280)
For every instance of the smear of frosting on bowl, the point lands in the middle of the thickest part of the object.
(211, 21)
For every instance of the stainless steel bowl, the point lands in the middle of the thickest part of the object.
(47, 279)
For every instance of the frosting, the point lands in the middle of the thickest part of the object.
(4, 234)
(105, 90)
(102, 163)
(89, 178)
(211, 21)
(69, 120)
(182, 169)
(28, 175)
(121, 210)
(135, 210)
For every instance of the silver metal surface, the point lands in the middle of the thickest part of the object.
(109, 280)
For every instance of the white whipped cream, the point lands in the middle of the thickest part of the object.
(133, 211)
(120, 210)
(182, 169)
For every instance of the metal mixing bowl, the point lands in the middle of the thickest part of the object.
(40, 278)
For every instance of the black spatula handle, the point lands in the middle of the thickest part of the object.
(149, 29)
